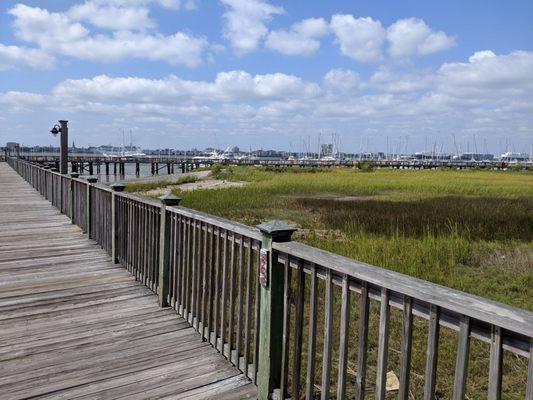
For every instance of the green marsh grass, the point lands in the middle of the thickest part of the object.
(469, 230)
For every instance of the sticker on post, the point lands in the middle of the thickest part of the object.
(263, 267)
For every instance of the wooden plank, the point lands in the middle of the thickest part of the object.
(328, 338)
(286, 328)
(73, 324)
(495, 364)
(383, 345)
(240, 305)
(364, 304)
(430, 378)
(248, 308)
(298, 330)
(311, 344)
(461, 364)
(529, 387)
(407, 341)
(343, 340)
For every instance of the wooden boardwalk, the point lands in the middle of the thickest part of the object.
(74, 325)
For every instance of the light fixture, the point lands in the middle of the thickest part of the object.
(55, 130)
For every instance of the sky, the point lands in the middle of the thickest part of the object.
(451, 76)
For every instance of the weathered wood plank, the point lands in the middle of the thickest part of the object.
(73, 324)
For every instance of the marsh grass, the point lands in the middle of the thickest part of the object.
(469, 230)
(487, 218)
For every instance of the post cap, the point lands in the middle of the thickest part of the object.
(279, 231)
(74, 175)
(118, 187)
(92, 179)
(170, 199)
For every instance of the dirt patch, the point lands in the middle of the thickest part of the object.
(209, 184)
(200, 184)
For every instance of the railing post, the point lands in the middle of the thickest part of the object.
(271, 276)
(164, 249)
(88, 207)
(117, 187)
(72, 176)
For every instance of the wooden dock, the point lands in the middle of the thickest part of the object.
(75, 325)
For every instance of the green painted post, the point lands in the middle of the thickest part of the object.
(164, 249)
(271, 277)
(117, 187)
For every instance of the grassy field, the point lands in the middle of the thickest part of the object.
(470, 230)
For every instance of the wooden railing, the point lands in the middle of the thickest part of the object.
(312, 323)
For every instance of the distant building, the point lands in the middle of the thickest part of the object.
(13, 147)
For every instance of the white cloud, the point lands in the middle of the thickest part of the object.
(12, 57)
(489, 93)
(245, 22)
(231, 86)
(489, 75)
(411, 36)
(58, 33)
(46, 29)
(301, 38)
(359, 39)
(342, 80)
(122, 14)
(23, 100)
(111, 16)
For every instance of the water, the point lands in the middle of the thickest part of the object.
(145, 170)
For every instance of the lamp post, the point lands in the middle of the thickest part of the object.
(63, 154)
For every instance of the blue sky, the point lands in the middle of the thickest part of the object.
(270, 74)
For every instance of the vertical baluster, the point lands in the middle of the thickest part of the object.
(188, 271)
(363, 341)
(183, 247)
(529, 387)
(432, 353)
(204, 291)
(216, 313)
(257, 305)
(145, 243)
(177, 260)
(224, 293)
(310, 381)
(344, 332)
(212, 281)
(461, 363)
(495, 363)
(298, 330)
(194, 272)
(248, 306)
(171, 260)
(240, 277)
(407, 339)
(383, 344)
(286, 326)
(328, 330)
(231, 327)
(198, 267)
